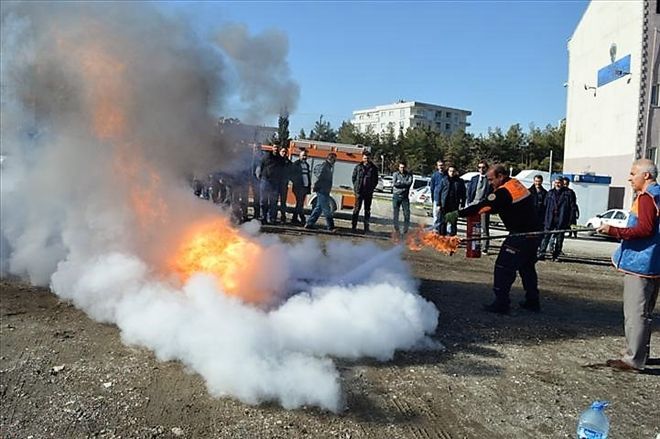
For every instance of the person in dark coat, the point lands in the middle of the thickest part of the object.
(301, 177)
(438, 179)
(557, 217)
(513, 202)
(539, 194)
(478, 189)
(575, 210)
(283, 176)
(269, 180)
(365, 180)
(452, 197)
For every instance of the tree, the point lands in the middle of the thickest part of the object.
(283, 135)
(323, 132)
(302, 134)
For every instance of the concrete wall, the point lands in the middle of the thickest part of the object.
(601, 130)
(651, 130)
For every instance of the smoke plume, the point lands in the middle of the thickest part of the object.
(105, 107)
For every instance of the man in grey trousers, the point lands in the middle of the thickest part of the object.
(401, 182)
(638, 258)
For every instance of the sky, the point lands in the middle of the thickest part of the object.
(504, 61)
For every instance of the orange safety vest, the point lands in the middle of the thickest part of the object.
(515, 188)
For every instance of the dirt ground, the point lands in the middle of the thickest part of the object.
(519, 376)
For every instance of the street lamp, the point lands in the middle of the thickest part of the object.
(382, 164)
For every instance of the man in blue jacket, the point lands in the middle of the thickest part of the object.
(437, 182)
(638, 258)
(478, 189)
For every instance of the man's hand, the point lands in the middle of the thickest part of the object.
(451, 217)
(604, 229)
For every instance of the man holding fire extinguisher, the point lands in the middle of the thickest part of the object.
(515, 206)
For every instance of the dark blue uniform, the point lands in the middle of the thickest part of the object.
(515, 206)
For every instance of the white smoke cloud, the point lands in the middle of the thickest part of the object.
(103, 108)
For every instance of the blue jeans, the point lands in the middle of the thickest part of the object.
(322, 205)
(268, 195)
(399, 201)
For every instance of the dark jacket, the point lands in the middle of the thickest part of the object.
(437, 180)
(539, 198)
(368, 173)
(401, 183)
(452, 195)
(575, 210)
(557, 209)
(271, 168)
(296, 176)
(323, 173)
(472, 189)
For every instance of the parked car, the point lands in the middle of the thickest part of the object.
(420, 195)
(613, 217)
(387, 183)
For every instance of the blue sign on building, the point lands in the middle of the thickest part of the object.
(612, 72)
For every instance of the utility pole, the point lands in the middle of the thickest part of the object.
(550, 167)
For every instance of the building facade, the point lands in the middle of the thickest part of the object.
(406, 114)
(612, 112)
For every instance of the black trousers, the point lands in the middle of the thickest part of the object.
(517, 255)
(299, 212)
(359, 201)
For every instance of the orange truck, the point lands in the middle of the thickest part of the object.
(341, 196)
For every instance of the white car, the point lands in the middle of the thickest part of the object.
(613, 217)
(387, 183)
(420, 195)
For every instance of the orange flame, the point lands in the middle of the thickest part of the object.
(216, 248)
(421, 238)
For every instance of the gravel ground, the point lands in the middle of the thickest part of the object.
(525, 375)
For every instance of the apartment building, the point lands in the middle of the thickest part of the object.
(612, 109)
(406, 114)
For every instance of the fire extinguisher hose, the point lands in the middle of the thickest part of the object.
(539, 233)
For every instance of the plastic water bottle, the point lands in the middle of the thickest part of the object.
(593, 422)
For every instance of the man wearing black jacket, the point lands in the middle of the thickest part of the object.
(513, 202)
(269, 181)
(365, 180)
(539, 194)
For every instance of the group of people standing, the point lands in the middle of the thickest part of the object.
(557, 209)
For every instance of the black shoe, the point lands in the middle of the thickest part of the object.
(540, 257)
(530, 306)
(496, 308)
(353, 229)
(308, 226)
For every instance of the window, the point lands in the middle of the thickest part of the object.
(619, 215)
(608, 214)
(652, 154)
(382, 114)
(447, 126)
(382, 126)
(655, 91)
(391, 113)
(402, 113)
(448, 114)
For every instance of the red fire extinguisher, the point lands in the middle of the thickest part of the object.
(473, 249)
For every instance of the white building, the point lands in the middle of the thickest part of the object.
(403, 115)
(612, 114)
